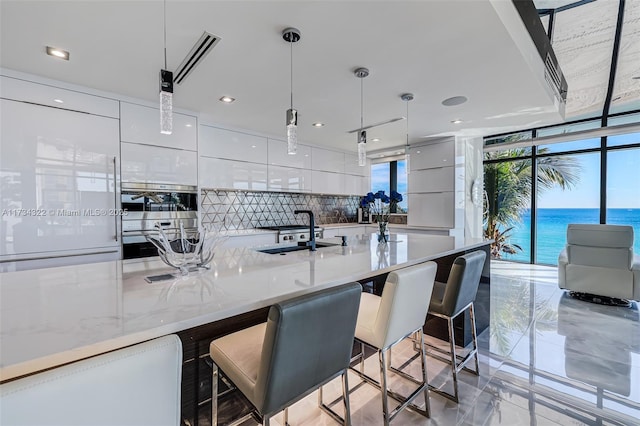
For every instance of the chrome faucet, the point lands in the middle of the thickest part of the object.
(312, 225)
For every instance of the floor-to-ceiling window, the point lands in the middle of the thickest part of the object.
(586, 170)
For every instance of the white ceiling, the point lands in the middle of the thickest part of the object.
(434, 49)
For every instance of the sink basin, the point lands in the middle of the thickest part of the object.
(287, 249)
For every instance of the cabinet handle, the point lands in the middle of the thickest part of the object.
(115, 198)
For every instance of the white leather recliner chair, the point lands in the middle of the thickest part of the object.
(599, 260)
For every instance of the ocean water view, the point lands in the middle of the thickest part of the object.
(552, 230)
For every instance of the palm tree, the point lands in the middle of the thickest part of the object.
(508, 190)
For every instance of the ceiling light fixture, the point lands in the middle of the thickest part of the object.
(456, 121)
(361, 73)
(166, 86)
(227, 99)
(407, 97)
(58, 53)
(318, 124)
(60, 101)
(291, 35)
(375, 140)
(456, 100)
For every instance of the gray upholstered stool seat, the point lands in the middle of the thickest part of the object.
(450, 299)
(305, 343)
(385, 321)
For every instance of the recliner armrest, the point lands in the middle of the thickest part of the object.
(635, 268)
(563, 261)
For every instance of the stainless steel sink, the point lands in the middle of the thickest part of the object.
(287, 249)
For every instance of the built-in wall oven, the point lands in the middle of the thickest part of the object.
(150, 204)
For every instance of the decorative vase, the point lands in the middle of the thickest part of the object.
(383, 232)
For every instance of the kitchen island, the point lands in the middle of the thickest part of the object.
(50, 317)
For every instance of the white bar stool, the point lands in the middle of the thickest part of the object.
(385, 321)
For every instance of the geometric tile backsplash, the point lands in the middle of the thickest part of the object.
(254, 209)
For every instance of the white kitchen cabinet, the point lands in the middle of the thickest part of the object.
(22, 90)
(432, 209)
(147, 163)
(230, 145)
(355, 185)
(141, 124)
(440, 179)
(289, 179)
(327, 182)
(229, 174)
(60, 184)
(327, 160)
(278, 155)
(432, 155)
(351, 165)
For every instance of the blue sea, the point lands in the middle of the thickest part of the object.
(552, 230)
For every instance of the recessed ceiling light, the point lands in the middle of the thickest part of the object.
(381, 155)
(227, 99)
(318, 124)
(187, 125)
(375, 140)
(456, 100)
(398, 152)
(456, 121)
(60, 101)
(417, 152)
(58, 53)
(253, 146)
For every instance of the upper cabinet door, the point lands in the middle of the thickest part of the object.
(440, 154)
(351, 166)
(59, 179)
(326, 160)
(221, 143)
(21, 90)
(145, 163)
(278, 155)
(141, 124)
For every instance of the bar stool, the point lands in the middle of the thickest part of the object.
(137, 385)
(452, 299)
(305, 343)
(385, 321)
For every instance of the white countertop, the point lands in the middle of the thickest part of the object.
(53, 316)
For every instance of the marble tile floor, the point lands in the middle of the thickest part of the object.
(546, 359)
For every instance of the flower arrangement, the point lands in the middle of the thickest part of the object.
(380, 206)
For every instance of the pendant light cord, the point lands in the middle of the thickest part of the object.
(291, 56)
(407, 124)
(361, 103)
(165, 33)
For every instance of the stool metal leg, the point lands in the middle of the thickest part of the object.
(345, 398)
(423, 359)
(454, 370)
(383, 386)
(214, 395)
(475, 338)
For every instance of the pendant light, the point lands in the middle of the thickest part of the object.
(166, 88)
(361, 73)
(407, 97)
(291, 35)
